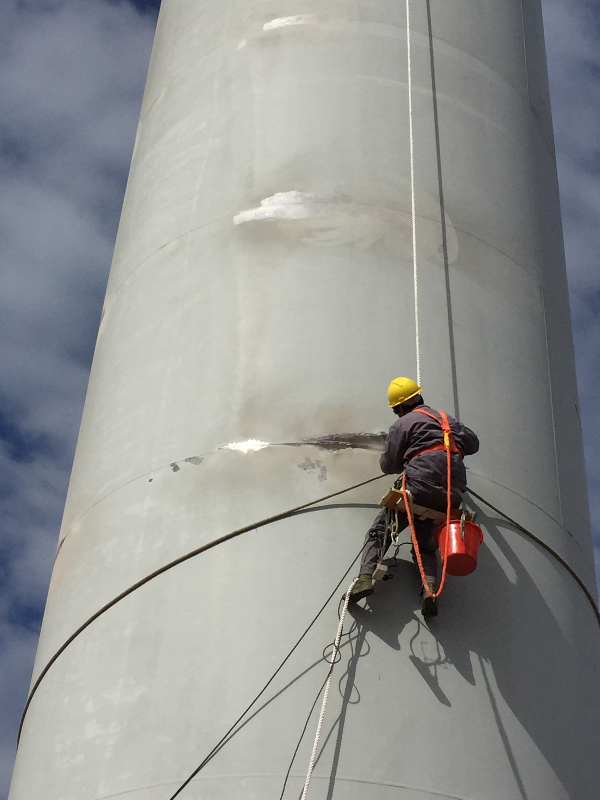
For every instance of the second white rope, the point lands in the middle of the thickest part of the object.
(334, 655)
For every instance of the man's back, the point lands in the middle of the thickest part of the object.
(426, 474)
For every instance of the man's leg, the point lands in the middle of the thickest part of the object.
(425, 531)
(373, 544)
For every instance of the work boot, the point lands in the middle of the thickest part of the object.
(362, 588)
(428, 603)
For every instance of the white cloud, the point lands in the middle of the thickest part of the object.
(573, 44)
(71, 78)
(572, 38)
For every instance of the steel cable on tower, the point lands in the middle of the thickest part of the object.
(225, 738)
(166, 567)
(239, 532)
(546, 547)
(299, 742)
(312, 708)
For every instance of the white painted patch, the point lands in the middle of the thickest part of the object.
(298, 19)
(240, 44)
(290, 205)
(358, 216)
(127, 690)
(245, 447)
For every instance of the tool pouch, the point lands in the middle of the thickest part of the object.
(392, 499)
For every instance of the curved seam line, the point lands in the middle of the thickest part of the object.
(545, 547)
(122, 486)
(324, 202)
(395, 785)
(252, 527)
(158, 249)
(237, 776)
(424, 37)
(299, 203)
(522, 496)
(262, 523)
(527, 500)
(170, 463)
(226, 216)
(140, 789)
(503, 78)
(534, 278)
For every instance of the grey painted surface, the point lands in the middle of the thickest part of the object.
(262, 289)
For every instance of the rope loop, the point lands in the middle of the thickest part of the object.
(331, 656)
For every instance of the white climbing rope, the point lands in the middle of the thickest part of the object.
(334, 655)
(412, 191)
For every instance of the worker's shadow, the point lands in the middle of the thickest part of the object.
(394, 605)
(387, 613)
(487, 631)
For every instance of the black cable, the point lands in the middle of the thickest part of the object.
(232, 535)
(312, 708)
(546, 547)
(217, 747)
(222, 741)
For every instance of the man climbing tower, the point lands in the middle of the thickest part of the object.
(414, 445)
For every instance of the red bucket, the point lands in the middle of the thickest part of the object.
(461, 544)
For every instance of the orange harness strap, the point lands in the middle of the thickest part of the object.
(449, 446)
(447, 433)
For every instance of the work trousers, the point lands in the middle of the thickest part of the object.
(425, 531)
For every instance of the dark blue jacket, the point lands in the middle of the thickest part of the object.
(426, 474)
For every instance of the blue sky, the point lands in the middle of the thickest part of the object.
(71, 78)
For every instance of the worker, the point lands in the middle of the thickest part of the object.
(414, 445)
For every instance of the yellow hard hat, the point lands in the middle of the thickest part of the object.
(401, 390)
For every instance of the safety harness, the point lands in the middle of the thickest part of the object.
(449, 445)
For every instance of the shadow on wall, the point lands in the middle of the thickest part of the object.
(499, 616)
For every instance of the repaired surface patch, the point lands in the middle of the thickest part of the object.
(298, 19)
(359, 216)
